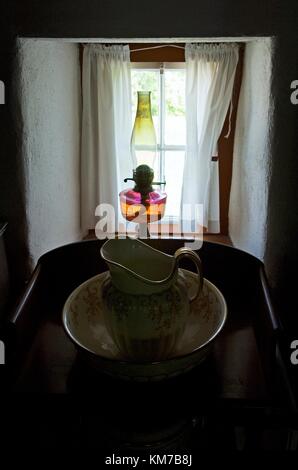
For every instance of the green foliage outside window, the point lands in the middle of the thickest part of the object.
(146, 80)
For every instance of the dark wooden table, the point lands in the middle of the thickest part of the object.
(237, 398)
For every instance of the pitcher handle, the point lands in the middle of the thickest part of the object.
(188, 253)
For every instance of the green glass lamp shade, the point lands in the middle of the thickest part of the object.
(143, 139)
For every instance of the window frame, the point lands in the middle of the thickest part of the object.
(162, 147)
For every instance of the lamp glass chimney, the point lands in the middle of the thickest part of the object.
(143, 139)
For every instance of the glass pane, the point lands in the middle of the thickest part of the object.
(146, 80)
(175, 128)
(174, 165)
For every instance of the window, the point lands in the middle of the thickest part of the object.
(166, 81)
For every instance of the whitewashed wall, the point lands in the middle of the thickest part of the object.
(48, 84)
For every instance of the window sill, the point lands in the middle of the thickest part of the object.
(216, 237)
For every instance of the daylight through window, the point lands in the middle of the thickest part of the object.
(167, 85)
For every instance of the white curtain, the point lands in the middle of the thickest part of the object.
(106, 128)
(210, 72)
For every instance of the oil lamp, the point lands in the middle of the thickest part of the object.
(143, 204)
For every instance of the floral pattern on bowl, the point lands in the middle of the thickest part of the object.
(83, 321)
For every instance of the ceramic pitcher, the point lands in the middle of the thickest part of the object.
(146, 300)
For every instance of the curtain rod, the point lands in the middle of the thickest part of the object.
(157, 47)
(154, 47)
(147, 48)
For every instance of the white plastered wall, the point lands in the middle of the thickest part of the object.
(48, 84)
(250, 178)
